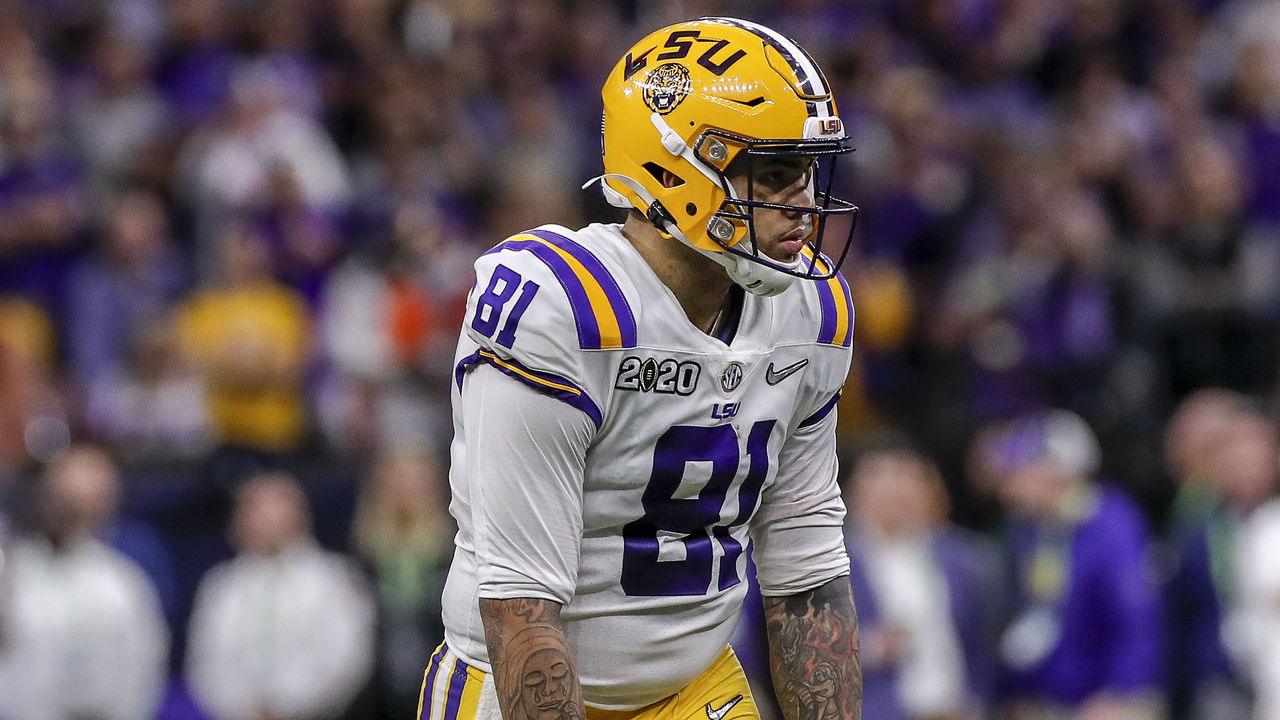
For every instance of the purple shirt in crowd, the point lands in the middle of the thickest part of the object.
(1108, 615)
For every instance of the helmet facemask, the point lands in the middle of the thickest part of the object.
(733, 226)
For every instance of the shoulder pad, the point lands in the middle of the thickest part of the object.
(601, 313)
(531, 313)
(833, 315)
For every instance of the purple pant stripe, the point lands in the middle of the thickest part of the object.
(432, 668)
(456, 685)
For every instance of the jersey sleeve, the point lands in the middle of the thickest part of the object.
(540, 305)
(525, 464)
(799, 530)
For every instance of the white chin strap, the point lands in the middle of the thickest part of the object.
(757, 278)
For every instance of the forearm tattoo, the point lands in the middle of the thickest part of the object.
(533, 669)
(813, 653)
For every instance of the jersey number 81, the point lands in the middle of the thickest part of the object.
(698, 519)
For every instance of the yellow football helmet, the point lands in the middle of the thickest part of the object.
(692, 98)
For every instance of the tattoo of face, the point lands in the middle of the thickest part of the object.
(814, 656)
(538, 680)
(534, 671)
(547, 687)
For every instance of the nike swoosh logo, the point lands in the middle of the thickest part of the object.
(720, 712)
(773, 377)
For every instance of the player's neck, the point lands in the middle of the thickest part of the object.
(699, 284)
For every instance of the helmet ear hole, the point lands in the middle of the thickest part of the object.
(663, 175)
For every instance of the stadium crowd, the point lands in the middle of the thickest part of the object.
(235, 244)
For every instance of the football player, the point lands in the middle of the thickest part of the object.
(638, 404)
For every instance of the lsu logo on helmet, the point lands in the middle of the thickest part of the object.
(666, 86)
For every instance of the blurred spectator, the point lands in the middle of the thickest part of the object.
(152, 410)
(227, 167)
(88, 477)
(304, 238)
(926, 606)
(404, 536)
(387, 330)
(1035, 315)
(285, 629)
(84, 633)
(539, 169)
(279, 35)
(1245, 466)
(194, 70)
(42, 204)
(114, 293)
(247, 335)
(1194, 431)
(1084, 641)
(33, 424)
(118, 117)
(1207, 440)
(1260, 588)
(1210, 288)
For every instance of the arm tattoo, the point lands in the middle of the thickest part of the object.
(533, 668)
(813, 653)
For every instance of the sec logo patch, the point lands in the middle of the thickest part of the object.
(732, 377)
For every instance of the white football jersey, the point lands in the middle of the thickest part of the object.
(700, 447)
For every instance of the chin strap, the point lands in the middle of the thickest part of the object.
(756, 278)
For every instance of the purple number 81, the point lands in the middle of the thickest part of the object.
(698, 519)
(502, 285)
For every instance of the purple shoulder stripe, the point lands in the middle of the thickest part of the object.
(848, 310)
(612, 290)
(579, 301)
(837, 313)
(558, 387)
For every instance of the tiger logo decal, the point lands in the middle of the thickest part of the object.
(666, 86)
